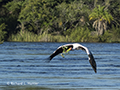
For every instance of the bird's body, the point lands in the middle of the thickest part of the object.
(75, 46)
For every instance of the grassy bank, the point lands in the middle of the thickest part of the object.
(1, 42)
(31, 37)
(77, 36)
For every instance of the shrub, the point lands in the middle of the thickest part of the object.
(80, 34)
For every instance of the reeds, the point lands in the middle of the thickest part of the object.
(77, 35)
(26, 36)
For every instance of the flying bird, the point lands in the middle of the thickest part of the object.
(75, 46)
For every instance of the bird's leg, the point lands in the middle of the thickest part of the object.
(65, 50)
(62, 55)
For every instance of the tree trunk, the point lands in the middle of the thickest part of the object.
(99, 24)
(100, 28)
(22, 26)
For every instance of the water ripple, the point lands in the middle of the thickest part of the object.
(24, 64)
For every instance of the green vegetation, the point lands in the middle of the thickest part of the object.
(60, 20)
(102, 17)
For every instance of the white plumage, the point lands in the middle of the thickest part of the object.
(75, 46)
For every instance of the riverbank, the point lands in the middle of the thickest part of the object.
(1, 42)
(60, 38)
(59, 21)
(87, 37)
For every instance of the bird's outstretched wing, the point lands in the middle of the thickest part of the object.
(90, 57)
(77, 46)
(61, 49)
(58, 51)
(92, 62)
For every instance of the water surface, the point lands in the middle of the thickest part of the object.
(24, 66)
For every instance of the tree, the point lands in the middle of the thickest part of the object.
(115, 11)
(2, 31)
(36, 14)
(70, 16)
(13, 9)
(101, 16)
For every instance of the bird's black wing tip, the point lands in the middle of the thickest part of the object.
(94, 67)
(92, 62)
(47, 60)
(95, 70)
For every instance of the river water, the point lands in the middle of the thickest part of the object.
(24, 66)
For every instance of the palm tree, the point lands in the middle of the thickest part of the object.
(101, 16)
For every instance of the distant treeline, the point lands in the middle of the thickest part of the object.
(60, 20)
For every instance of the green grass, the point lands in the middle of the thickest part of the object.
(26, 36)
(77, 35)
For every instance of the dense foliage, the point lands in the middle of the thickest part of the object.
(60, 20)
